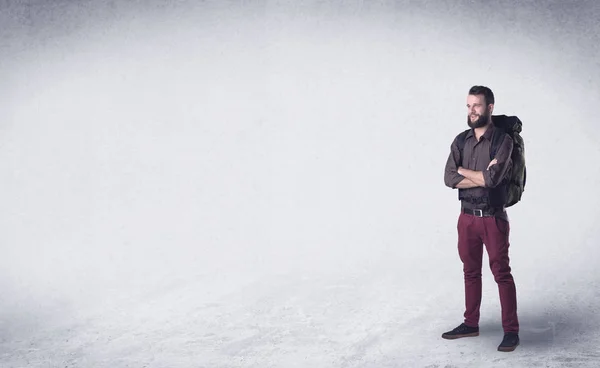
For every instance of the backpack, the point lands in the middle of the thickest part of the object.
(512, 187)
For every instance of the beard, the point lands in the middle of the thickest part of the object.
(480, 122)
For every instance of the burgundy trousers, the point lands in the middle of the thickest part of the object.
(473, 233)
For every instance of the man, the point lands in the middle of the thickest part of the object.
(483, 218)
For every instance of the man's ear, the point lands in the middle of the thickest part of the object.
(491, 108)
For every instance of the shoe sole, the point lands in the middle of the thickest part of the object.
(508, 348)
(454, 337)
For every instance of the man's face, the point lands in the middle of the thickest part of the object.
(477, 111)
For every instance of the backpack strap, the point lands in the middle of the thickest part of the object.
(460, 140)
(497, 139)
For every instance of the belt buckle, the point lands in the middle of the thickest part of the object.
(480, 212)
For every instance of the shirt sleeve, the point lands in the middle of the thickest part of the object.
(451, 176)
(498, 171)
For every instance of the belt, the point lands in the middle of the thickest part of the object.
(482, 213)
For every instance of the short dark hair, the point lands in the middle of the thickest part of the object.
(485, 91)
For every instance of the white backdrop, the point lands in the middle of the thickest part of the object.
(189, 156)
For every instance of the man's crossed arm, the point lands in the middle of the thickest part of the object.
(472, 178)
(459, 177)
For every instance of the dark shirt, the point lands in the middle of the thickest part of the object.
(476, 156)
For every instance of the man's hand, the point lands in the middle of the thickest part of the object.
(493, 162)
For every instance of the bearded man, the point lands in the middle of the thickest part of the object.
(483, 218)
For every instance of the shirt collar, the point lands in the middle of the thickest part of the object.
(487, 135)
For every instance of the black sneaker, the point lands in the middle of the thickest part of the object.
(510, 342)
(461, 331)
